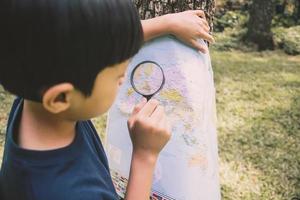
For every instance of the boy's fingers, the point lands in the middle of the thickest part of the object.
(206, 26)
(157, 114)
(165, 124)
(148, 109)
(200, 13)
(199, 46)
(139, 106)
(207, 37)
(203, 21)
(207, 29)
(203, 27)
(136, 110)
(211, 39)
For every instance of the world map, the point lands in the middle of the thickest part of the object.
(187, 168)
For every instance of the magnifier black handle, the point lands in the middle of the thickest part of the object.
(148, 97)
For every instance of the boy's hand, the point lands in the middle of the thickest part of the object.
(189, 26)
(149, 129)
(149, 132)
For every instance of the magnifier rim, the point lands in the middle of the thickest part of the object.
(137, 66)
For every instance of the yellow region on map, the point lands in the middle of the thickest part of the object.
(172, 95)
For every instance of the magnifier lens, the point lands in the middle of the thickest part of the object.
(148, 78)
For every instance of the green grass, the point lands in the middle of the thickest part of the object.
(5, 104)
(258, 102)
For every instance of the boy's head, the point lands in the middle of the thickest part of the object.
(66, 53)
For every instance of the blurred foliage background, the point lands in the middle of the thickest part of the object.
(257, 76)
(255, 22)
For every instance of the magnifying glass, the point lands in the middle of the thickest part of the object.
(147, 79)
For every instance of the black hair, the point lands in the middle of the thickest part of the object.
(47, 42)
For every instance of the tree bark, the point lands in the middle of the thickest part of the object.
(259, 25)
(153, 8)
(297, 12)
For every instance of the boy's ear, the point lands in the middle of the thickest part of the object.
(57, 98)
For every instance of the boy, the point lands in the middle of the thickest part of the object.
(65, 59)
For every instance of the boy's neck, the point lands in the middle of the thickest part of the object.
(41, 130)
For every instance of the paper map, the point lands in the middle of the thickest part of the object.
(187, 168)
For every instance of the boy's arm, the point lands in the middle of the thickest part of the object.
(156, 27)
(187, 26)
(149, 132)
(140, 178)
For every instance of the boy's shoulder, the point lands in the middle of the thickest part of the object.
(78, 171)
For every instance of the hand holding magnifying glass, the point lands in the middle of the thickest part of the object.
(147, 79)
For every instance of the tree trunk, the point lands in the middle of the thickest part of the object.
(259, 25)
(153, 8)
(297, 10)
